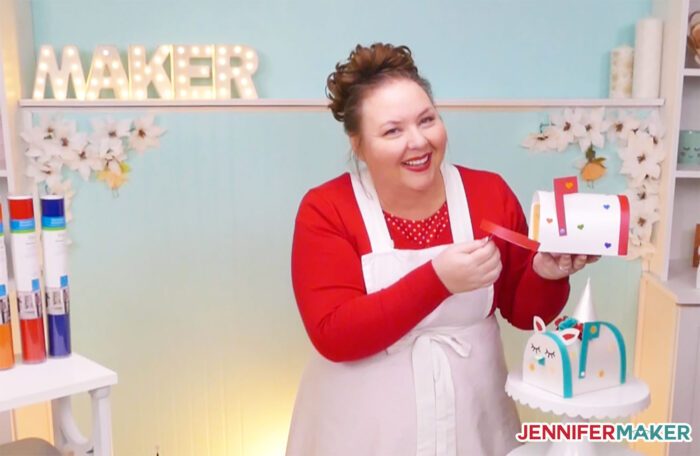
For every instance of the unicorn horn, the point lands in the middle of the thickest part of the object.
(585, 311)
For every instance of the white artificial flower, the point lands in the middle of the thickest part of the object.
(621, 127)
(643, 215)
(591, 129)
(642, 219)
(641, 158)
(637, 248)
(564, 124)
(69, 143)
(642, 201)
(65, 127)
(111, 153)
(41, 141)
(651, 186)
(35, 137)
(38, 154)
(642, 224)
(49, 125)
(49, 171)
(110, 128)
(86, 161)
(145, 134)
(542, 142)
(653, 125)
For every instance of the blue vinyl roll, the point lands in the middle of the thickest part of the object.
(53, 225)
(59, 335)
(52, 207)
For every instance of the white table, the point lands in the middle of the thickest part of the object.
(56, 380)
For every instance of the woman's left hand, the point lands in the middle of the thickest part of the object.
(555, 266)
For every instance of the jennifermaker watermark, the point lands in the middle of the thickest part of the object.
(605, 432)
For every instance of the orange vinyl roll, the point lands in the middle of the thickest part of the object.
(7, 356)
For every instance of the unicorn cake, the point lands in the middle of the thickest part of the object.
(580, 355)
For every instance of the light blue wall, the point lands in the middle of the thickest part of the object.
(181, 283)
(467, 48)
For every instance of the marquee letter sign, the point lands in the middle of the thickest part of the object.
(182, 72)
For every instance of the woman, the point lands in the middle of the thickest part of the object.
(397, 286)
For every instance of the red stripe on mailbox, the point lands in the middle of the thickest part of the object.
(624, 225)
(563, 186)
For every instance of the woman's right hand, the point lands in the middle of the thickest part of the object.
(468, 266)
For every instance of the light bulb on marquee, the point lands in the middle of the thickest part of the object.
(142, 73)
(241, 72)
(69, 70)
(151, 72)
(106, 59)
(185, 71)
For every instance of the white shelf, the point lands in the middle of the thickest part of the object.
(691, 72)
(681, 282)
(321, 104)
(688, 172)
(26, 384)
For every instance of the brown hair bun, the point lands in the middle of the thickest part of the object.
(366, 68)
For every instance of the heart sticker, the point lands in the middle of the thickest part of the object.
(549, 220)
(569, 185)
(608, 245)
(580, 227)
(606, 206)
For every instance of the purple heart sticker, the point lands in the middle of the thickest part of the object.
(606, 206)
(608, 245)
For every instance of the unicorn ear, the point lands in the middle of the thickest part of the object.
(569, 335)
(538, 325)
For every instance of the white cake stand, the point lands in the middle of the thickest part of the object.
(610, 403)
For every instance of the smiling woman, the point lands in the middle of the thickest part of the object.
(402, 142)
(397, 286)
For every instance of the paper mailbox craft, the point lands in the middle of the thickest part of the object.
(565, 221)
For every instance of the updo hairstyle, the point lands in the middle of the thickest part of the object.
(365, 69)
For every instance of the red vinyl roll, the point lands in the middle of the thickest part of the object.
(33, 346)
(21, 208)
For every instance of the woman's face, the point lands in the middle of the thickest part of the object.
(402, 139)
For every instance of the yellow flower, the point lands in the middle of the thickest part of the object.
(112, 179)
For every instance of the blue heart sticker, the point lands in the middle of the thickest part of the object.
(608, 245)
(606, 206)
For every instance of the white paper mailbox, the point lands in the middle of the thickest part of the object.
(584, 223)
(565, 221)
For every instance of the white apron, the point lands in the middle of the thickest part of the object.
(438, 391)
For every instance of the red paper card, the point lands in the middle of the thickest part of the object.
(509, 235)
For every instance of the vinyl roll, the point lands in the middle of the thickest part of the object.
(53, 236)
(621, 70)
(7, 353)
(647, 58)
(25, 263)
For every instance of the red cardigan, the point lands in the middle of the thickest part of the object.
(345, 323)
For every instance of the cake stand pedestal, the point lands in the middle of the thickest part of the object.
(610, 403)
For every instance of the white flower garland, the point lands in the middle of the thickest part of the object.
(56, 145)
(640, 147)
